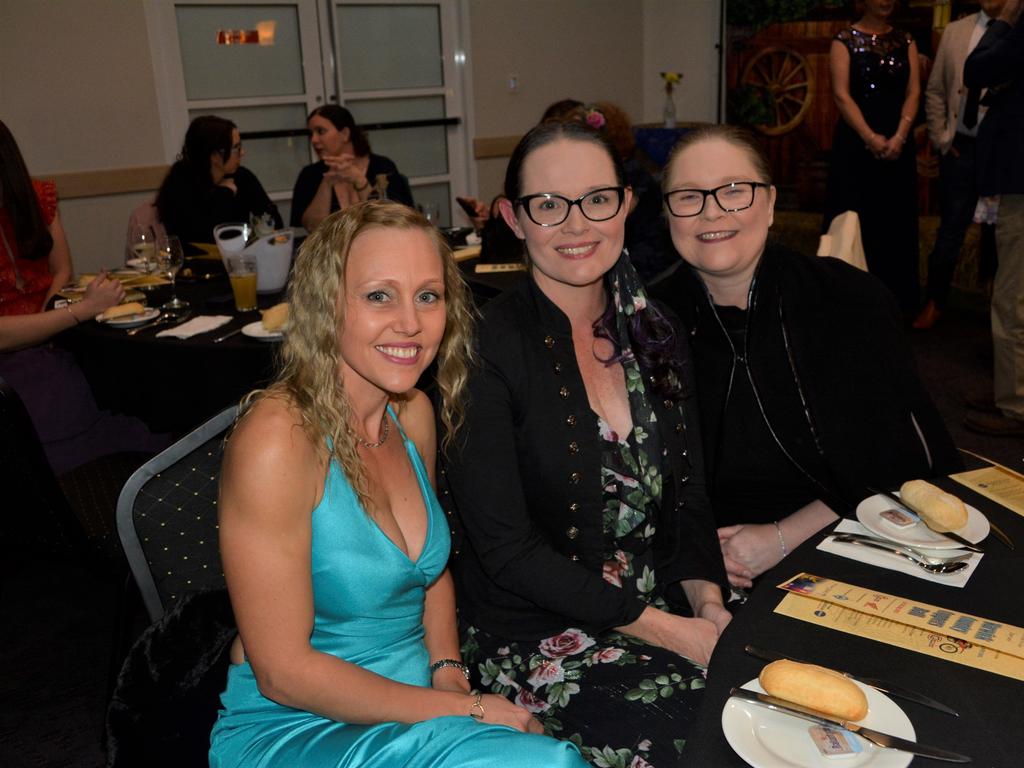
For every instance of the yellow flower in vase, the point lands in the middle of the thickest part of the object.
(669, 111)
(671, 78)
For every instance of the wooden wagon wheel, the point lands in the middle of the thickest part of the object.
(787, 78)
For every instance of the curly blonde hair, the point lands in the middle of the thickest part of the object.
(308, 361)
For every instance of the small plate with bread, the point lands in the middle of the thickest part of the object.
(766, 738)
(127, 315)
(272, 325)
(936, 512)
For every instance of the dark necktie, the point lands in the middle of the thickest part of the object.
(973, 99)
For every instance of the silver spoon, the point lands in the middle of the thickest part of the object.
(944, 566)
(166, 317)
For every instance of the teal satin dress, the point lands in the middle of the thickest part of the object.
(368, 604)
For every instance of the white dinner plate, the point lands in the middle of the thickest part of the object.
(869, 513)
(769, 739)
(256, 330)
(129, 321)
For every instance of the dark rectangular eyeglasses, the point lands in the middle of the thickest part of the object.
(549, 210)
(731, 197)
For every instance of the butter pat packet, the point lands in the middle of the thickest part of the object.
(834, 742)
(898, 518)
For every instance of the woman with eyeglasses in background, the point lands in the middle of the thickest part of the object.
(808, 390)
(587, 565)
(208, 186)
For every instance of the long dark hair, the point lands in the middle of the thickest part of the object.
(652, 338)
(341, 118)
(206, 135)
(19, 199)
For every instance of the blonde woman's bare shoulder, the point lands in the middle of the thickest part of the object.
(272, 430)
(417, 416)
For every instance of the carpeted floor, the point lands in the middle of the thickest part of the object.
(56, 627)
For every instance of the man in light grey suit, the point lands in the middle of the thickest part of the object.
(953, 118)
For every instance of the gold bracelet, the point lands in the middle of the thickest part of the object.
(477, 705)
(68, 308)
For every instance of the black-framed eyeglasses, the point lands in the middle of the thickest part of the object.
(549, 210)
(731, 197)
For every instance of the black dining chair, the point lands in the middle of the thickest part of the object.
(167, 517)
(165, 701)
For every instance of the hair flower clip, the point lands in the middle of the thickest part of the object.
(594, 118)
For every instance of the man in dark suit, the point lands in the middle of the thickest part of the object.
(997, 64)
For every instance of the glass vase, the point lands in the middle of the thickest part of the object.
(669, 111)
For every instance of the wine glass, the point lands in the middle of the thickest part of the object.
(141, 254)
(169, 258)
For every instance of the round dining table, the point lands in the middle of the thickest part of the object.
(171, 384)
(990, 706)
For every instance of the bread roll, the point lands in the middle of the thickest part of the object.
(940, 511)
(815, 687)
(120, 310)
(275, 318)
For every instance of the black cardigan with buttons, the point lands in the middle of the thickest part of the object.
(522, 486)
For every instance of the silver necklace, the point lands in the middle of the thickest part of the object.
(385, 429)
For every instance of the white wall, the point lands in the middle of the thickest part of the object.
(76, 90)
(680, 36)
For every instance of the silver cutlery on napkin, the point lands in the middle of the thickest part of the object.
(875, 737)
(960, 540)
(164, 319)
(951, 565)
(874, 682)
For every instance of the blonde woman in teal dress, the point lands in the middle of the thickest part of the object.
(334, 545)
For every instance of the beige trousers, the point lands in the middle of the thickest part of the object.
(1008, 307)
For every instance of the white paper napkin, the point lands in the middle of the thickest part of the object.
(892, 562)
(197, 325)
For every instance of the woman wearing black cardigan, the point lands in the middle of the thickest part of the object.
(589, 576)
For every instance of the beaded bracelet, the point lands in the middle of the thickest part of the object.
(449, 663)
(782, 541)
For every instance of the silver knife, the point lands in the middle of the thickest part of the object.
(880, 685)
(960, 540)
(875, 737)
(227, 335)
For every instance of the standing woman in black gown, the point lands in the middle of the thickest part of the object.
(876, 87)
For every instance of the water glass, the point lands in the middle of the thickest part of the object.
(169, 258)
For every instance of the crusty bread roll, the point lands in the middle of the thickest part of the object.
(275, 318)
(120, 310)
(815, 687)
(940, 511)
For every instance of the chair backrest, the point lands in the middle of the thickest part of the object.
(843, 240)
(36, 514)
(167, 517)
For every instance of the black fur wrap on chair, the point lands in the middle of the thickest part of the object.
(167, 693)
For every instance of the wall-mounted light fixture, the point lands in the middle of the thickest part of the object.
(262, 35)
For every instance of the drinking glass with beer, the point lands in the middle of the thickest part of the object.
(242, 273)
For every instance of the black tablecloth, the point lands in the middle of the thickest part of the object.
(991, 706)
(174, 385)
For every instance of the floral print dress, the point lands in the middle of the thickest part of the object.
(623, 702)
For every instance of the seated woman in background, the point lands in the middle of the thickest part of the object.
(208, 186)
(347, 170)
(333, 541)
(647, 239)
(577, 476)
(808, 390)
(35, 263)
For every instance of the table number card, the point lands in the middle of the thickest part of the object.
(958, 637)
